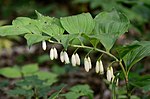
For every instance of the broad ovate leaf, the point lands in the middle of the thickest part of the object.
(113, 23)
(29, 69)
(50, 77)
(124, 50)
(77, 24)
(13, 30)
(109, 26)
(107, 40)
(35, 38)
(10, 72)
(53, 30)
(137, 54)
(22, 21)
(44, 19)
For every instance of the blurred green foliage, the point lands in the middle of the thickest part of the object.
(28, 70)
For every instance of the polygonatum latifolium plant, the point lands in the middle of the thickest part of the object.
(105, 28)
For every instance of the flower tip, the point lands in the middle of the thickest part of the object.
(44, 45)
(86, 65)
(89, 61)
(77, 59)
(55, 53)
(66, 58)
(73, 60)
(97, 67)
(109, 75)
(62, 59)
(101, 67)
(51, 53)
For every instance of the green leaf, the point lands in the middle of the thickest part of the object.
(141, 82)
(29, 69)
(83, 90)
(109, 26)
(53, 30)
(94, 42)
(34, 38)
(113, 23)
(107, 40)
(29, 82)
(43, 58)
(71, 95)
(4, 84)
(44, 19)
(21, 92)
(50, 26)
(124, 50)
(51, 77)
(13, 30)
(30, 24)
(44, 91)
(58, 70)
(77, 24)
(137, 54)
(65, 39)
(146, 88)
(10, 72)
(34, 27)
(21, 21)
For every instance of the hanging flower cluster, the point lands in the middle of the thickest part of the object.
(53, 53)
(99, 67)
(75, 60)
(110, 75)
(87, 64)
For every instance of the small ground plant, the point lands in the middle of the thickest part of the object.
(104, 29)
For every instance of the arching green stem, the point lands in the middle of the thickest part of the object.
(87, 47)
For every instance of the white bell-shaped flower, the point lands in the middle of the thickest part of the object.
(89, 61)
(66, 58)
(97, 67)
(51, 53)
(86, 65)
(62, 59)
(77, 59)
(44, 45)
(55, 53)
(73, 60)
(101, 67)
(109, 76)
(112, 73)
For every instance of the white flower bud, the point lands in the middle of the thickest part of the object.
(66, 58)
(97, 67)
(44, 45)
(52, 54)
(86, 65)
(89, 60)
(62, 59)
(112, 73)
(77, 59)
(55, 53)
(73, 60)
(101, 68)
(109, 76)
